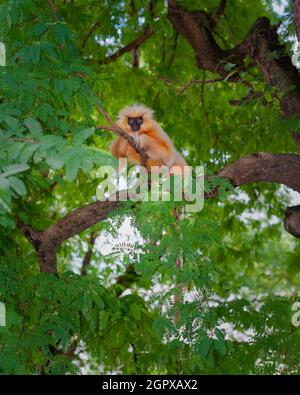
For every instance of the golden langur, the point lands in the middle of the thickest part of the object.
(138, 122)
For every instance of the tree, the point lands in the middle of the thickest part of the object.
(220, 77)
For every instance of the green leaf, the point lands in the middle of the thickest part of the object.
(135, 311)
(103, 320)
(82, 135)
(48, 141)
(220, 344)
(17, 185)
(29, 54)
(34, 126)
(159, 325)
(4, 183)
(204, 346)
(12, 123)
(14, 169)
(229, 66)
(73, 162)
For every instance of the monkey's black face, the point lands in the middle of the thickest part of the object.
(135, 123)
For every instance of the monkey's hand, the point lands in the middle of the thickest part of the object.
(136, 146)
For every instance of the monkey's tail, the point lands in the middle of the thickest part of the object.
(178, 297)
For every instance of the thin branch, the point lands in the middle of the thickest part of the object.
(124, 281)
(135, 58)
(108, 118)
(89, 33)
(220, 10)
(48, 241)
(23, 140)
(88, 255)
(109, 128)
(129, 47)
(191, 82)
(53, 9)
(173, 53)
(251, 95)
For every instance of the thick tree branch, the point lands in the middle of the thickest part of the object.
(261, 44)
(260, 167)
(88, 255)
(292, 220)
(296, 14)
(264, 167)
(275, 168)
(48, 241)
(197, 27)
(147, 32)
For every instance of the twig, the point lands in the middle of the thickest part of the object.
(93, 27)
(220, 10)
(110, 128)
(88, 255)
(53, 9)
(129, 47)
(124, 281)
(191, 82)
(202, 97)
(250, 95)
(172, 57)
(135, 58)
(178, 298)
(23, 140)
(164, 78)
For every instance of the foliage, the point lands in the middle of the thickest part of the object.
(240, 271)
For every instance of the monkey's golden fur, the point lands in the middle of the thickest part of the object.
(159, 147)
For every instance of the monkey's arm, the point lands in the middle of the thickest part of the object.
(132, 155)
(158, 149)
(119, 148)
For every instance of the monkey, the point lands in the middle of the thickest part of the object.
(138, 122)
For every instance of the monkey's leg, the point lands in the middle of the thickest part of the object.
(152, 162)
(119, 147)
(132, 155)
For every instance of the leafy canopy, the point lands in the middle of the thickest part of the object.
(240, 270)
